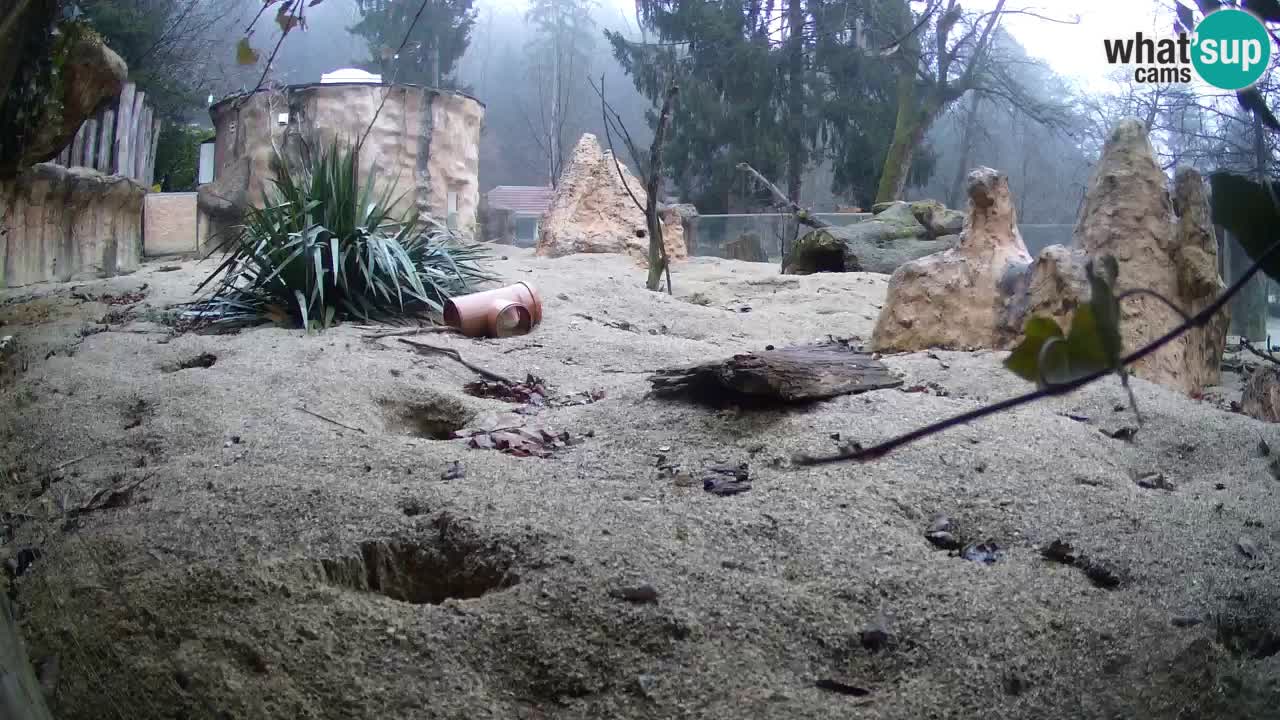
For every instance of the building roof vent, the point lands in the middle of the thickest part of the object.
(350, 75)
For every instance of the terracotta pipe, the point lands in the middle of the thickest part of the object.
(501, 312)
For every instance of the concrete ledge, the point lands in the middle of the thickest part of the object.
(59, 224)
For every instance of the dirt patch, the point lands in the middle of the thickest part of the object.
(203, 360)
(546, 571)
(455, 564)
(429, 416)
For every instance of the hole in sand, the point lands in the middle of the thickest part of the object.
(455, 563)
(432, 417)
(203, 360)
(1249, 634)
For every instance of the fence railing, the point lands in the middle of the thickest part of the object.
(709, 233)
(119, 140)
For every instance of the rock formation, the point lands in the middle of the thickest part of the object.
(423, 147)
(1261, 396)
(898, 233)
(68, 223)
(592, 212)
(936, 218)
(956, 298)
(41, 110)
(1162, 244)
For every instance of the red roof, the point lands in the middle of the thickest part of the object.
(523, 199)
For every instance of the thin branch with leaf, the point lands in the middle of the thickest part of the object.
(1246, 208)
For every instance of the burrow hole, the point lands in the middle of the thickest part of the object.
(203, 360)
(433, 417)
(426, 572)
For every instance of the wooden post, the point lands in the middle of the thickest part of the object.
(124, 123)
(143, 144)
(156, 126)
(135, 144)
(90, 142)
(77, 147)
(107, 144)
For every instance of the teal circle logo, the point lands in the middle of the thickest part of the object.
(1231, 49)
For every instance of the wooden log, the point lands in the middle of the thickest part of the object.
(143, 145)
(156, 126)
(135, 145)
(77, 148)
(90, 157)
(124, 126)
(773, 377)
(106, 142)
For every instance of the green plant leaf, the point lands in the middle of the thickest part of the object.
(323, 248)
(1024, 361)
(245, 54)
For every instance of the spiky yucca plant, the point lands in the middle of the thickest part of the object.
(323, 249)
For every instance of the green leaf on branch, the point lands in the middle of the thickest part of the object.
(246, 55)
(1024, 361)
(1047, 356)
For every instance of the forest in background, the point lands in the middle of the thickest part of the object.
(804, 90)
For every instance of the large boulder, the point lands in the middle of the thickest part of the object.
(899, 232)
(956, 298)
(1162, 241)
(1261, 396)
(981, 295)
(593, 212)
(41, 113)
(936, 218)
(870, 246)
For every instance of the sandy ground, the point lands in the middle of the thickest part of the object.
(273, 564)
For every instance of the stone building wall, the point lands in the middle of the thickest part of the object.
(425, 141)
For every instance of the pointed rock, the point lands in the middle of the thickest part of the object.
(956, 298)
(1162, 243)
(593, 210)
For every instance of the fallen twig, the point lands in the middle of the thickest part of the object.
(782, 201)
(414, 331)
(331, 421)
(73, 461)
(109, 497)
(454, 354)
(1264, 355)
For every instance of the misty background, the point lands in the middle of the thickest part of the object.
(534, 64)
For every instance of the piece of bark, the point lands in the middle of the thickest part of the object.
(785, 375)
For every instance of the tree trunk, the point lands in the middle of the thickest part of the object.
(914, 118)
(956, 193)
(795, 113)
(653, 186)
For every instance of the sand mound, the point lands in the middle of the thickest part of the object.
(300, 542)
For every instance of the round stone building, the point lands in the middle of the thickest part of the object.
(424, 140)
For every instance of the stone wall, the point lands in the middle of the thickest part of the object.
(172, 225)
(59, 224)
(425, 141)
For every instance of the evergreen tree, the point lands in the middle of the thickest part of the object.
(780, 85)
(559, 61)
(438, 38)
